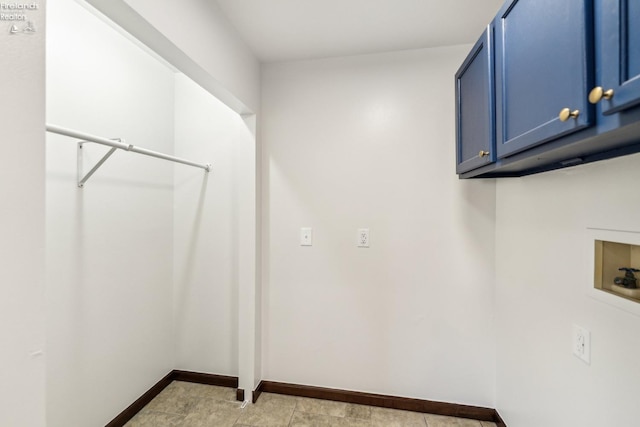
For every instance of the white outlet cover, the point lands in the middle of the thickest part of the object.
(363, 238)
(306, 236)
(582, 344)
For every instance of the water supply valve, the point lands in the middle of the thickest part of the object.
(629, 280)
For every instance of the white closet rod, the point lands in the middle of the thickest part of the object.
(121, 145)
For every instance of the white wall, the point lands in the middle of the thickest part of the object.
(200, 29)
(541, 271)
(198, 40)
(22, 238)
(368, 141)
(109, 245)
(206, 230)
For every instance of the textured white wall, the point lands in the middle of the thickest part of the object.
(197, 39)
(368, 141)
(206, 230)
(22, 236)
(109, 245)
(219, 60)
(200, 29)
(541, 255)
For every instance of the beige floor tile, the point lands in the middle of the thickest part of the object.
(256, 418)
(211, 412)
(225, 418)
(350, 422)
(441, 421)
(271, 399)
(358, 411)
(155, 419)
(184, 404)
(178, 388)
(171, 401)
(321, 407)
(304, 419)
(206, 405)
(202, 390)
(383, 417)
(271, 410)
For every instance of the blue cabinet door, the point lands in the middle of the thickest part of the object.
(475, 108)
(619, 55)
(544, 65)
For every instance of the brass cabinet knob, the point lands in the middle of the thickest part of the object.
(483, 153)
(597, 93)
(566, 113)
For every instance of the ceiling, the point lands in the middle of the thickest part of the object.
(282, 30)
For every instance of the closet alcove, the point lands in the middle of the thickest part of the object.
(143, 262)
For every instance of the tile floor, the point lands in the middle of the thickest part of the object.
(184, 404)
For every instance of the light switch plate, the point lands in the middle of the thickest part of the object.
(306, 236)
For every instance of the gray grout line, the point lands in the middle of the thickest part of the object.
(295, 408)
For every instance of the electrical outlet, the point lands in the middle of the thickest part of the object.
(363, 237)
(306, 236)
(582, 344)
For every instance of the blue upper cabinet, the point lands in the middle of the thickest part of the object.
(544, 71)
(566, 88)
(475, 108)
(619, 56)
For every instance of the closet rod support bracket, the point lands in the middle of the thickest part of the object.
(83, 179)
